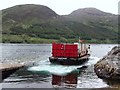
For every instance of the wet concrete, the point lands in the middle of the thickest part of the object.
(7, 69)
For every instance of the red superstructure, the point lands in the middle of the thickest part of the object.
(65, 50)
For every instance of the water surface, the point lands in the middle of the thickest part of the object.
(40, 73)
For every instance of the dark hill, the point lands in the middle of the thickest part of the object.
(95, 18)
(32, 22)
(29, 11)
(94, 15)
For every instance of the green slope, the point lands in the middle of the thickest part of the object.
(39, 24)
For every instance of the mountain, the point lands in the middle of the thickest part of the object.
(29, 11)
(26, 14)
(100, 23)
(93, 14)
(32, 23)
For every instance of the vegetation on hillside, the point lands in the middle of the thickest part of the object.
(39, 24)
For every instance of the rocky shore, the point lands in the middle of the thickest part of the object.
(109, 66)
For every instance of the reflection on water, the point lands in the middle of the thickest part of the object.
(68, 81)
(42, 74)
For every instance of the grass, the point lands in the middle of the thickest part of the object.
(25, 39)
(35, 40)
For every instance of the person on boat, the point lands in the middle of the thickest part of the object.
(88, 50)
(89, 47)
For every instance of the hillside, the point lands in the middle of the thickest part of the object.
(39, 24)
(93, 15)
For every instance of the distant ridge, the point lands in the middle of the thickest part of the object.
(36, 22)
(90, 10)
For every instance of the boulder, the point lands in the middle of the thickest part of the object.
(109, 66)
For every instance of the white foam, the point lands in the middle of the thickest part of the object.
(92, 60)
(60, 69)
(54, 69)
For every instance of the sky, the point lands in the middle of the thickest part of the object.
(64, 7)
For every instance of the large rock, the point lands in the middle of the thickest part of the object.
(109, 66)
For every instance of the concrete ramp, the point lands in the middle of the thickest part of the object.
(7, 69)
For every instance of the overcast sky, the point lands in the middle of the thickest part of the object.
(63, 7)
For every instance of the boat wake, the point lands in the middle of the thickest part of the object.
(59, 69)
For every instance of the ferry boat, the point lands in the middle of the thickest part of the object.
(70, 54)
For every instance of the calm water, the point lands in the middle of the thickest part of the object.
(39, 73)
